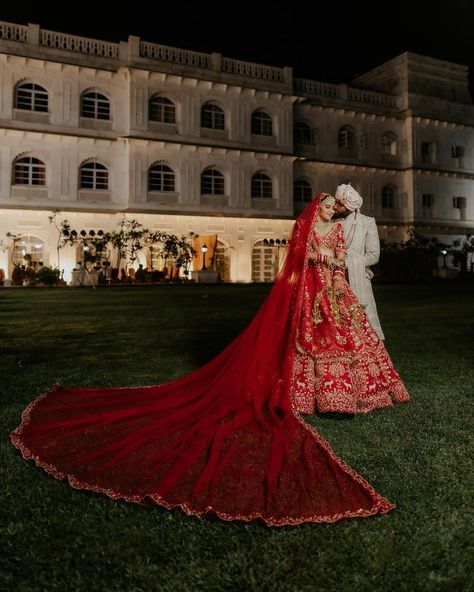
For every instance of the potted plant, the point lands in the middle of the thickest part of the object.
(48, 276)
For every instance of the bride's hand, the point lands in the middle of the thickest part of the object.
(336, 263)
(315, 258)
(338, 285)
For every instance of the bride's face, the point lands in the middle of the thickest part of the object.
(326, 211)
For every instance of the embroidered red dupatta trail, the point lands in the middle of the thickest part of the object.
(223, 439)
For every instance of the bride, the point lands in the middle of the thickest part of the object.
(228, 438)
(340, 365)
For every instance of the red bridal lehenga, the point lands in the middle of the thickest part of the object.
(340, 364)
(228, 438)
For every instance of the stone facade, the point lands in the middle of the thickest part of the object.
(186, 141)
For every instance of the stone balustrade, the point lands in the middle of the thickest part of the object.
(135, 48)
(252, 70)
(372, 98)
(85, 45)
(12, 32)
(174, 55)
(313, 88)
(32, 35)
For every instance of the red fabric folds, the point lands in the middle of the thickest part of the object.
(223, 439)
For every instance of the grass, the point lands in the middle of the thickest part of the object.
(418, 455)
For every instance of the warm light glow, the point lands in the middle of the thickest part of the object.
(67, 272)
(204, 250)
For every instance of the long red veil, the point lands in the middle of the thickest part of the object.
(222, 439)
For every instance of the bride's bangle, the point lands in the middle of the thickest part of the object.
(318, 258)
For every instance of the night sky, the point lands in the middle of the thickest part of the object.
(332, 41)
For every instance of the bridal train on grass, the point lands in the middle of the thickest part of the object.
(229, 438)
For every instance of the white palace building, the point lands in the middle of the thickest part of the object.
(187, 141)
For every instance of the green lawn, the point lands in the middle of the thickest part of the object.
(418, 455)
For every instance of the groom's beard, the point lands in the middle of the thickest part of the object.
(339, 215)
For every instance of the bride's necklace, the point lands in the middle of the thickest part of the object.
(323, 226)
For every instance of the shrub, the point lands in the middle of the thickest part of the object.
(49, 276)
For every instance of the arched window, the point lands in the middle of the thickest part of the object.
(303, 134)
(262, 124)
(261, 186)
(94, 105)
(346, 138)
(31, 97)
(212, 182)
(161, 178)
(161, 109)
(302, 191)
(389, 143)
(212, 117)
(93, 175)
(29, 171)
(389, 193)
(31, 246)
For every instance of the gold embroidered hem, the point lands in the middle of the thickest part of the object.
(380, 505)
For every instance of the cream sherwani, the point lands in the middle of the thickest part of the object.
(363, 246)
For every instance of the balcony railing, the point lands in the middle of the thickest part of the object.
(372, 98)
(313, 88)
(33, 35)
(251, 70)
(85, 45)
(12, 32)
(174, 55)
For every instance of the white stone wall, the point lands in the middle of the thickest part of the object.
(188, 162)
(64, 83)
(443, 188)
(62, 156)
(368, 128)
(190, 95)
(445, 135)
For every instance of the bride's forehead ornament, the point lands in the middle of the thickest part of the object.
(327, 198)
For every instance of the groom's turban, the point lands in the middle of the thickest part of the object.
(349, 197)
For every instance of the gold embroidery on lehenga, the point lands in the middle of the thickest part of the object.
(317, 315)
(354, 312)
(334, 305)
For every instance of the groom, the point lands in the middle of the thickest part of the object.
(363, 246)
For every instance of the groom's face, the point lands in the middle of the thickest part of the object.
(341, 208)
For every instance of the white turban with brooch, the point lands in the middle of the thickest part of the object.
(349, 197)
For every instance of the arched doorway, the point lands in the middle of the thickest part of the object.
(27, 250)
